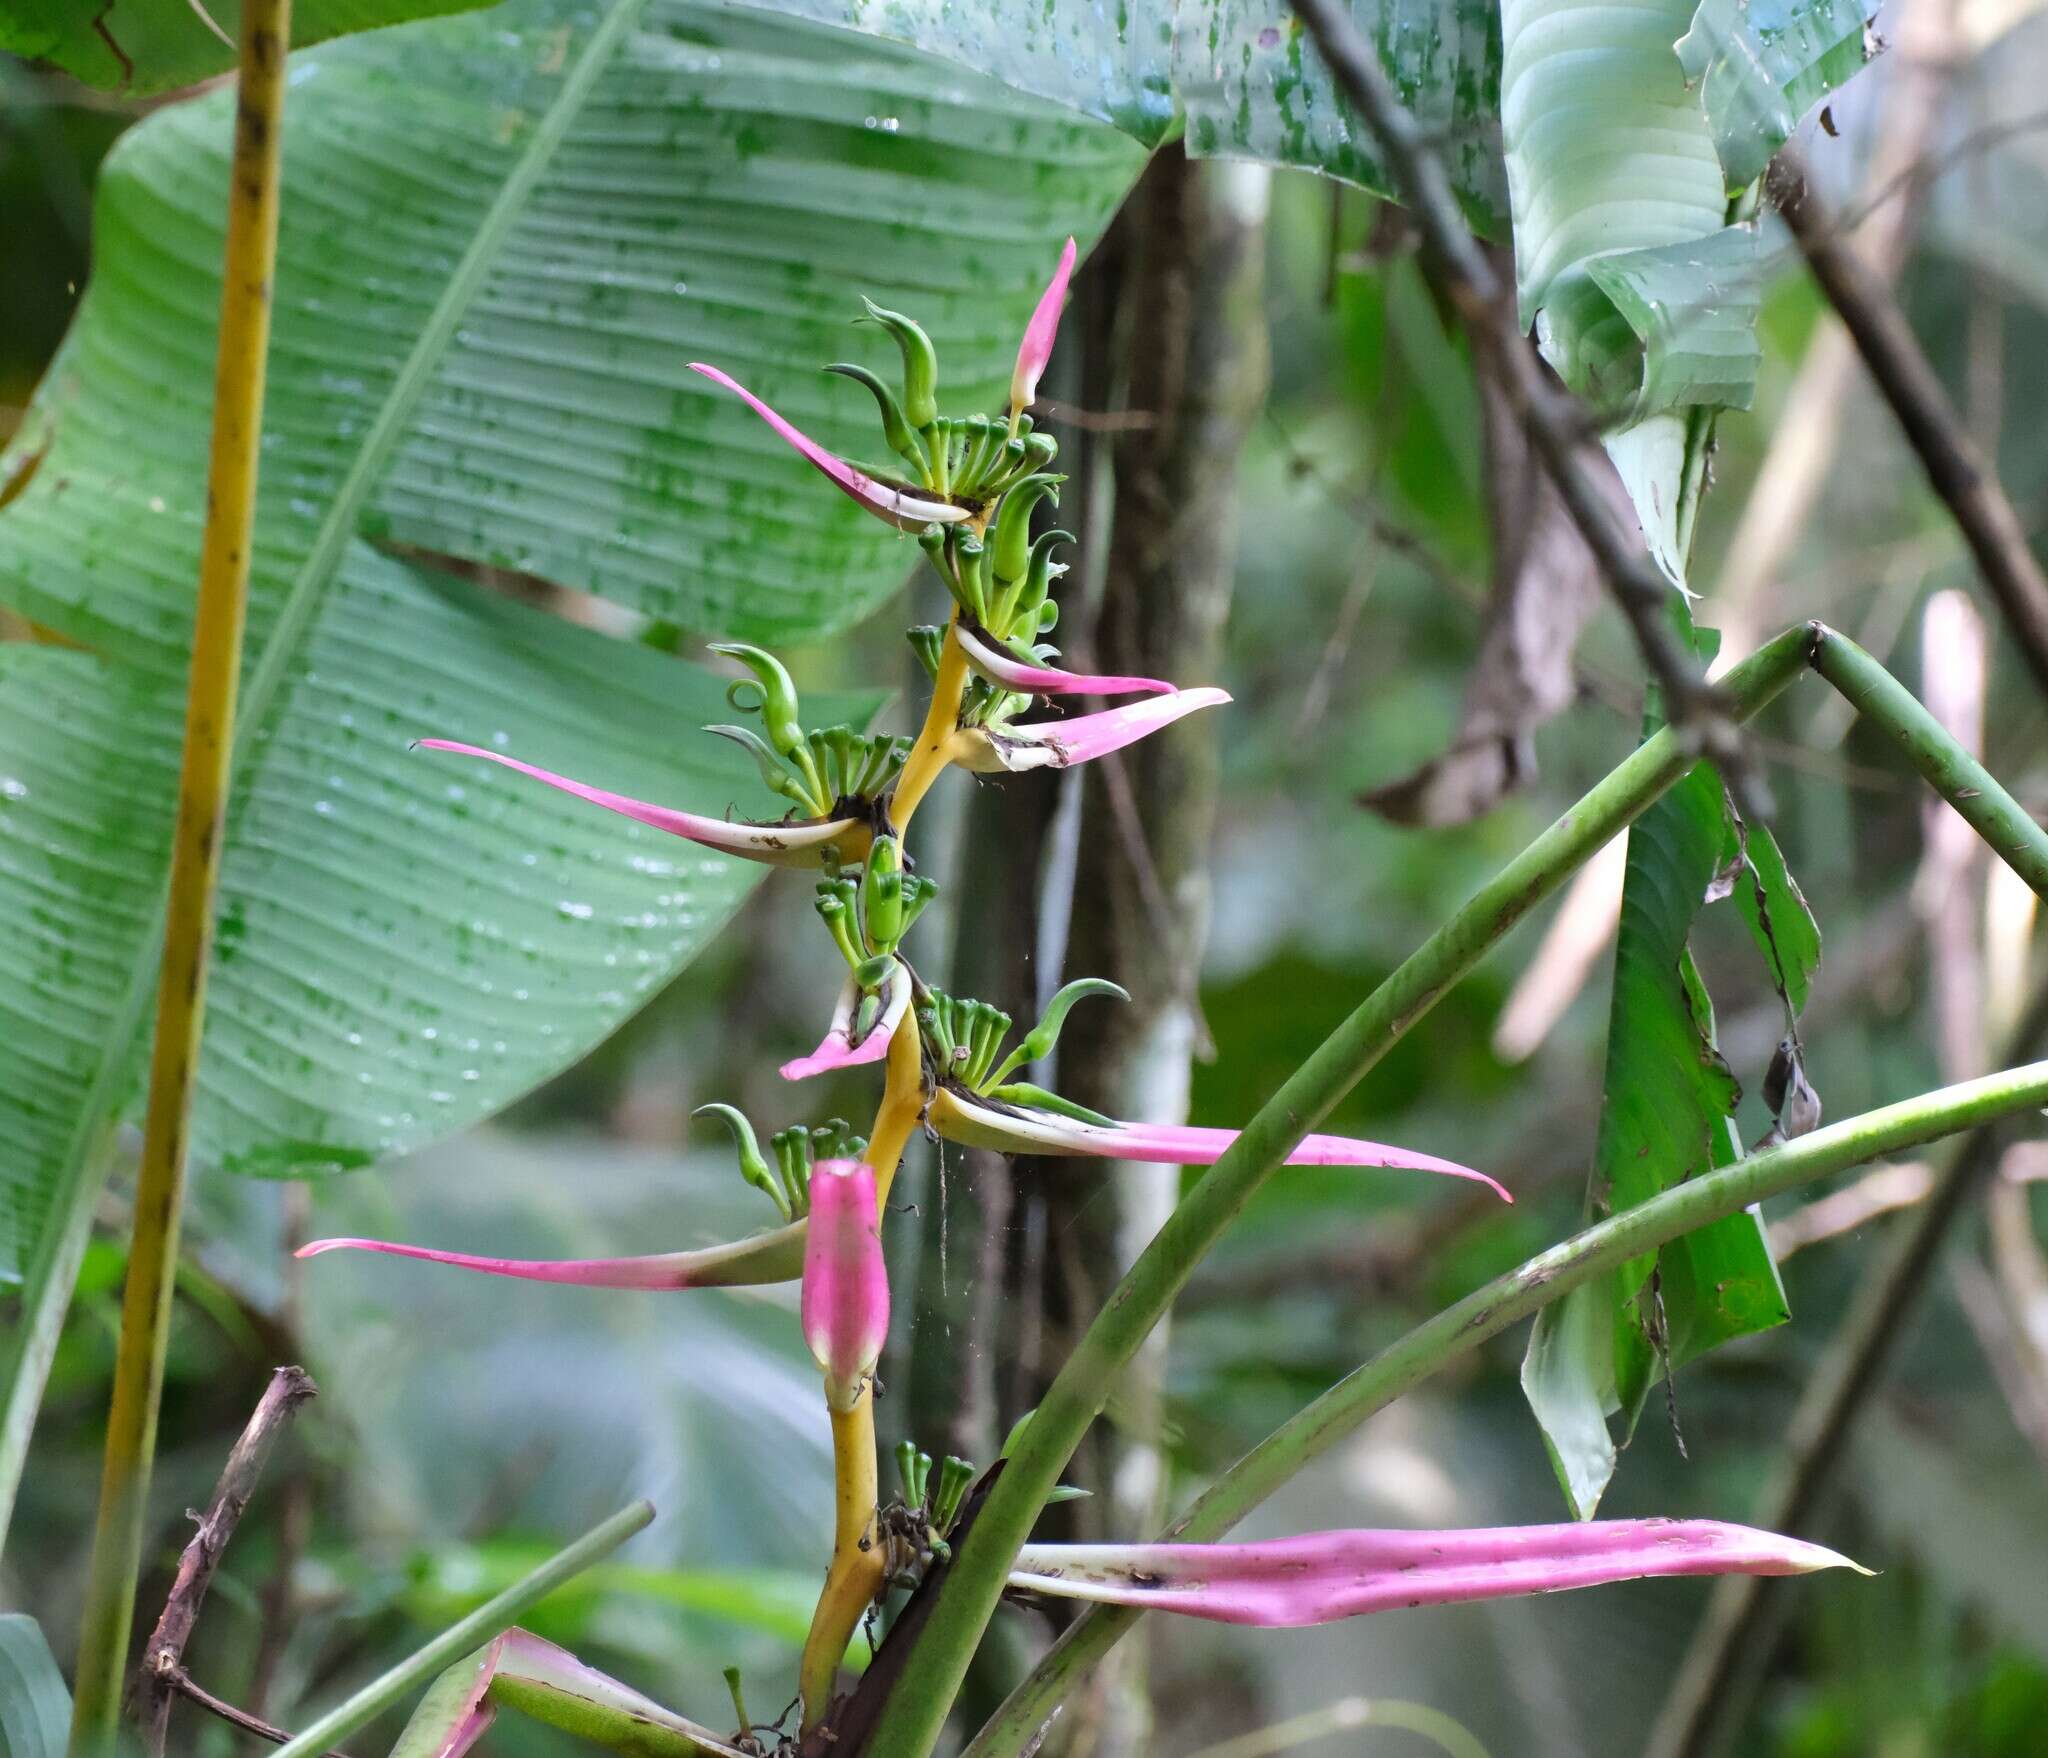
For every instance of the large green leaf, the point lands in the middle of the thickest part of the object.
(1666, 1116)
(1621, 157)
(504, 238)
(1254, 87)
(35, 1708)
(144, 46)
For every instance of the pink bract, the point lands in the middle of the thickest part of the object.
(988, 659)
(846, 1283)
(1014, 1130)
(1318, 1577)
(907, 512)
(781, 845)
(1036, 348)
(1055, 744)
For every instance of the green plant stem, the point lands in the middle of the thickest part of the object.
(1948, 768)
(1732, 1647)
(916, 1713)
(1505, 1301)
(492, 1618)
(218, 621)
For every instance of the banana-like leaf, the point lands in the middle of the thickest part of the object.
(35, 1708)
(1667, 1116)
(1622, 149)
(504, 239)
(1760, 65)
(1255, 88)
(145, 46)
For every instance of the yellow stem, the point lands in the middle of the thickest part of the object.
(854, 1580)
(933, 749)
(251, 257)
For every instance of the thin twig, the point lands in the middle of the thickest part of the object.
(182, 1682)
(1560, 427)
(1958, 473)
(163, 1655)
(219, 617)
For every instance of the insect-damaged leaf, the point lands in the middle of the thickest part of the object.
(1667, 1116)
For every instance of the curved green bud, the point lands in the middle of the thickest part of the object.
(1023, 611)
(920, 364)
(955, 1474)
(1035, 1098)
(895, 429)
(991, 1027)
(835, 906)
(773, 772)
(778, 704)
(753, 1168)
(1040, 448)
(881, 894)
(1011, 550)
(1038, 1042)
(793, 1157)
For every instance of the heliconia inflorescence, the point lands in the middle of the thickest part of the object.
(972, 489)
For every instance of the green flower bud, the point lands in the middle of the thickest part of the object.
(920, 364)
(1011, 550)
(1039, 1041)
(954, 1477)
(772, 692)
(753, 1168)
(895, 429)
(882, 894)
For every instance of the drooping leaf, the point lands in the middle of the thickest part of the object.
(144, 46)
(1668, 328)
(35, 1707)
(1760, 65)
(1779, 917)
(1666, 1116)
(481, 349)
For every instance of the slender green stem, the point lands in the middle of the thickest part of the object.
(1949, 769)
(492, 1618)
(916, 1712)
(1490, 1310)
(218, 621)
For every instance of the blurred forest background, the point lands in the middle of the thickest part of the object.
(466, 1427)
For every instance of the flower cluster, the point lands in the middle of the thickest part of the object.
(969, 489)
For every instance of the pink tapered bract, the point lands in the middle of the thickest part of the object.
(1021, 1130)
(780, 845)
(846, 1284)
(1039, 333)
(904, 510)
(767, 1257)
(1056, 744)
(989, 659)
(1319, 1577)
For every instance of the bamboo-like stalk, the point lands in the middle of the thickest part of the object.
(916, 1713)
(244, 347)
(491, 1619)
